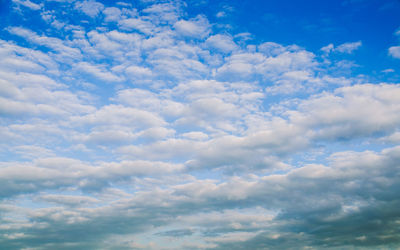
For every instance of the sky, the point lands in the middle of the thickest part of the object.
(199, 124)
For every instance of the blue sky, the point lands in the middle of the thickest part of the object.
(199, 124)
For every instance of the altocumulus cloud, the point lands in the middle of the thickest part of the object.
(149, 126)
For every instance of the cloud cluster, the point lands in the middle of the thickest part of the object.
(394, 51)
(141, 126)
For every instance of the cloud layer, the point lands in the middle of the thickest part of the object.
(143, 126)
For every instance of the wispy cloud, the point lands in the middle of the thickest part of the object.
(347, 48)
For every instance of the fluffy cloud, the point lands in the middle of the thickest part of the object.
(196, 28)
(112, 14)
(222, 43)
(360, 110)
(137, 24)
(394, 51)
(90, 8)
(150, 127)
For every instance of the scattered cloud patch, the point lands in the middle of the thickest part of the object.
(28, 4)
(152, 125)
(346, 48)
(394, 52)
(195, 28)
(90, 8)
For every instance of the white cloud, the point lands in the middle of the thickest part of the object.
(195, 28)
(328, 48)
(149, 101)
(137, 24)
(347, 113)
(157, 133)
(195, 141)
(177, 64)
(112, 14)
(392, 138)
(168, 12)
(240, 66)
(397, 32)
(162, 150)
(137, 72)
(103, 43)
(388, 71)
(271, 49)
(64, 52)
(215, 105)
(221, 14)
(271, 64)
(28, 4)
(347, 48)
(120, 115)
(98, 72)
(223, 43)
(109, 137)
(195, 135)
(394, 51)
(30, 95)
(32, 151)
(90, 8)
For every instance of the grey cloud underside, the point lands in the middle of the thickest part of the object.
(352, 202)
(157, 132)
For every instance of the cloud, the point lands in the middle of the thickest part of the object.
(273, 64)
(68, 200)
(32, 151)
(388, 71)
(346, 114)
(346, 48)
(120, 115)
(339, 201)
(392, 138)
(138, 72)
(48, 173)
(63, 52)
(394, 51)
(97, 72)
(195, 28)
(176, 64)
(147, 126)
(28, 4)
(109, 137)
(90, 8)
(112, 14)
(30, 88)
(150, 101)
(196, 135)
(137, 24)
(168, 12)
(223, 43)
